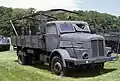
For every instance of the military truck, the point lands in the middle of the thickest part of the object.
(4, 43)
(63, 44)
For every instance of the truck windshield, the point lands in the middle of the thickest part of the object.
(82, 27)
(66, 27)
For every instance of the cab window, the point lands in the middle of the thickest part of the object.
(51, 28)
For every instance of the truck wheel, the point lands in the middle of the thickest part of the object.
(57, 66)
(24, 60)
(99, 67)
(21, 58)
(30, 60)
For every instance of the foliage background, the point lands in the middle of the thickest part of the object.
(102, 22)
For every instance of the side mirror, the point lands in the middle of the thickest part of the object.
(93, 31)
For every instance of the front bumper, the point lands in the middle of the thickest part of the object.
(93, 60)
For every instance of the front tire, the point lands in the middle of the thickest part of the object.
(57, 66)
(99, 67)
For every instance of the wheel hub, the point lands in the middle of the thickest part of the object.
(57, 67)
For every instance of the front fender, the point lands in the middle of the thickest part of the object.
(107, 49)
(63, 53)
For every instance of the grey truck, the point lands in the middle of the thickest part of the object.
(62, 44)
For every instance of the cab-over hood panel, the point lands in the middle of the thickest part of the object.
(81, 37)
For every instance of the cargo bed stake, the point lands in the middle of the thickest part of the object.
(14, 28)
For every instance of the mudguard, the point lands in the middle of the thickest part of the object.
(63, 53)
(107, 49)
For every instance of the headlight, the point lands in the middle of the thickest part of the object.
(66, 44)
(85, 55)
(109, 54)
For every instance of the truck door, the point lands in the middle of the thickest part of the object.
(51, 37)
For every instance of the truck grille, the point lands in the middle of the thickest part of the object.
(97, 48)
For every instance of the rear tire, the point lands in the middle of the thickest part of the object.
(24, 60)
(21, 58)
(57, 66)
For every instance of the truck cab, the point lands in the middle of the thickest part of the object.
(74, 41)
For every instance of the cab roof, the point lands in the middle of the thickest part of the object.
(74, 22)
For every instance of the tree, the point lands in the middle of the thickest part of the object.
(103, 22)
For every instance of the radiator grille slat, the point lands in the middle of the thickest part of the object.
(97, 48)
(101, 48)
(94, 48)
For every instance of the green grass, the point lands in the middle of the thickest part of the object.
(10, 70)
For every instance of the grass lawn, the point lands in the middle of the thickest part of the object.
(10, 70)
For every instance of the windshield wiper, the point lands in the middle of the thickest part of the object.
(66, 32)
(84, 31)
